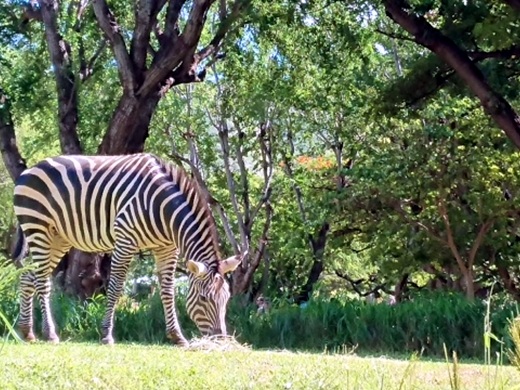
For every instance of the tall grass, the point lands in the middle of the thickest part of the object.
(8, 276)
(425, 324)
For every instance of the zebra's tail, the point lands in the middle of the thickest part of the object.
(21, 248)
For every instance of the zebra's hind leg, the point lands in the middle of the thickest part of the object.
(121, 258)
(166, 260)
(46, 258)
(25, 321)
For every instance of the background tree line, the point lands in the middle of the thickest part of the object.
(360, 148)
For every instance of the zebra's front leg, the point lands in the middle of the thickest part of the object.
(118, 270)
(166, 260)
(25, 322)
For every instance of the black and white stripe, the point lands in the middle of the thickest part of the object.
(120, 204)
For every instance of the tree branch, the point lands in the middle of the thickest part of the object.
(441, 205)
(31, 13)
(145, 18)
(478, 241)
(244, 182)
(431, 231)
(504, 54)
(354, 284)
(289, 172)
(428, 36)
(87, 70)
(215, 205)
(179, 52)
(171, 29)
(13, 161)
(223, 132)
(262, 243)
(265, 139)
(108, 24)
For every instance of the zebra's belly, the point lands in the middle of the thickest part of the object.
(86, 242)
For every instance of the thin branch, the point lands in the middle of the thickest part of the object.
(431, 231)
(354, 284)
(88, 70)
(478, 241)
(223, 133)
(265, 139)
(244, 182)
(441, 205)
(394, 35)
(108, 24)
(289, 172)
(214, 204)
(262, 244)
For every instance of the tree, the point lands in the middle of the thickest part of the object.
(168, 46)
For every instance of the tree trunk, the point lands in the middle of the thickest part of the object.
(14, 163)
(66, 87)
(401, 287)
(128, 129)
(469, 286)
(318, 251)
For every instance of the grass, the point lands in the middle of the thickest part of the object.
(134, 366)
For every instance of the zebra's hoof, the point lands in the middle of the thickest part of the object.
(178, 341)
(51, 337)
(182, 344)
(107, 340)
(29, 338)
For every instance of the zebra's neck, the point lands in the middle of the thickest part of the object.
(190, 226)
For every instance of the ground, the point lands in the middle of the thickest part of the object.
(93, 366)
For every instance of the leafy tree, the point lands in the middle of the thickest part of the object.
(155, 45)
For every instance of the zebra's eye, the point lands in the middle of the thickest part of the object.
(203, 298)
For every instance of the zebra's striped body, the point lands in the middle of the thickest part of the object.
(120, 204)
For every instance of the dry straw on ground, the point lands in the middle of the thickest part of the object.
(217, 343)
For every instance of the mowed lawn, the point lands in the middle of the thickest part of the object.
(93, 366)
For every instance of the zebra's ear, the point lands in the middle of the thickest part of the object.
(230, 264)
(196, 268)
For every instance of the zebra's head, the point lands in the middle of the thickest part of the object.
(208, 295)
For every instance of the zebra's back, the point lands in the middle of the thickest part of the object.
(80, 197)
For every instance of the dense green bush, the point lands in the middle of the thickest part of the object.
(423, 324)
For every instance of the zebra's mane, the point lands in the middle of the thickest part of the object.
(188, 184)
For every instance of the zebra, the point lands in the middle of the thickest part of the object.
(120, 204)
